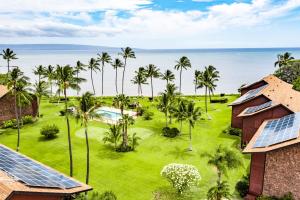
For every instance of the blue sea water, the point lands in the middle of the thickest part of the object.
(236, 66)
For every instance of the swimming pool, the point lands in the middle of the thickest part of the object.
(115, 116)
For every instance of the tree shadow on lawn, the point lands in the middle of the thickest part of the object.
(108, 152)
(179, 153)
(168, 193)
(7, 132)
(44, 139)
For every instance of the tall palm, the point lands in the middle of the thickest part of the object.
(104, 57)
(140, 79)
(182, 63)
(164, 105)
(49, 72)
(168, 76)
(152, 72)
(117, 63)
(8, 55)
(79, 67)
(40, 89)
(93, 66)
(85, 112)
(126, 121)
(192, 115)
(126, 53)
(213, 78)
(16, 76)
(180, 113)
(68, 80)
(23, 96)
(171, 91)
(196, 77)
(39, 71)
(283, 59)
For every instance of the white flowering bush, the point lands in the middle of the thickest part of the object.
(181, 176)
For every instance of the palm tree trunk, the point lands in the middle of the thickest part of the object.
(69, 134)
(8, 67)
(92, 81)
(206, 99)
(191, 147)
(196, 86)
(77, 83)
(116, 81)
(180, 127)
(151, 88)
(87, 157)
(17, 118)
(138, 90)
(141, 90)
(102, 78)
(38, 106)
(123, 77)
(51, 86)
(166, 114)
(125, 138)
(180, 81)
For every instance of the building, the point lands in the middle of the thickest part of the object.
(275, 153)
(7, 108)
(22, 178)
(266, 99)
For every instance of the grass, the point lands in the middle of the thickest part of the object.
(134, 175)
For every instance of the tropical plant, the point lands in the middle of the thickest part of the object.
(93, 66)
(8, 55)
(180, 112)
(181, 176)
(192, 115)
(168, 76)
(289, 73)
(182, 63)
(214, 77)
(85, 112)
(117, 63)
(140, 79)
(171, 91)
(219, 192)
(49, 131)
(126, 53)
(283, 59)
(104, 57)
(78, 68)
(24, 98)
(134, 141)
(152, 72)
(39, 71)
(125, 121)
(66, 76)
(113, 135)
(121, 101)
(197, 74)
(164, 105)
(40, 89)
(16, 76)
(49, 72)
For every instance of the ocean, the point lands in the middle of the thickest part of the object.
(236, 66)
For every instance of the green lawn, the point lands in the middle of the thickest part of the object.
(134, 175)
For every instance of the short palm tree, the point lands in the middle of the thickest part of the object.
(126, 53)
(16, 76)
(68, 80)
(164, 105)
(134, 140)
(39, 71)
(197, 74)
(180, 112)
(182, 63)
(79, 68)
(192, 115)
(168, 76)
(85, 112)
(219, 192)
(93, 66)
(140, 79)
(113, 135)
(117, 63)
(49, 72)
(104, 57)
(126, 121)
(8, 55)
(40, 89)
(152, 72)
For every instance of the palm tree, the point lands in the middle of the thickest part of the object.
(168, 76)
(180, 112)
(16, 76)
(192, 115)
(213, 78)
(113, 135)
(196, 77)
(93, 66)
(78, 68)
(134, 141)
(164, 105)
(182, 63)
(126, 121)
(283, 59)
(219, 192)
(40, 89)
(85, 112)
(23, 96)
(152, 72)
(172, 94)
(39, 71)
(140, 79)
(68, 80)
(117, 63)
(126, 53)
(8, 55)
(104, 57)
(49, 72)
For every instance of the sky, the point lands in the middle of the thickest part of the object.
(152, 24)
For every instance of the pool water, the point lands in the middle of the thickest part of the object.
(109, 114)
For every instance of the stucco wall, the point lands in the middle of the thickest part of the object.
(282, 172)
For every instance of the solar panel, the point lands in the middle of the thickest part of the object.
(250, 94)
(32, 173)
(257, 108)
(279, 130)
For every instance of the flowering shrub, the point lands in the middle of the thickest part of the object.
(181, 176)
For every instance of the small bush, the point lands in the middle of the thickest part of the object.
(148, 115)
(9, 123)
(140, 111)
(233, 131)
(107, 195)
(219, 100)
(242, 186)
(62, 112)
(181, 176)
(49, 131)
(28, 119)
(170, 132)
